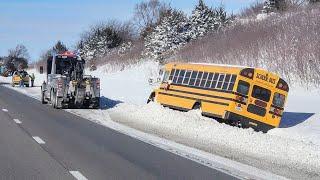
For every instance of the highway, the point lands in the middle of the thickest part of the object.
(39, 142)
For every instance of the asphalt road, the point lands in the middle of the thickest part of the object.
(75, 144)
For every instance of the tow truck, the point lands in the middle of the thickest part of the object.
(67, 86)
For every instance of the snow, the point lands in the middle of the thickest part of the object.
(130, 85)
(262, 16)
(293, 150)
(39, 78)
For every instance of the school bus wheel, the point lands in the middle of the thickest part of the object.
(151, 98)
(196, 106)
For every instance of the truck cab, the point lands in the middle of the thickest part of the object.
(66, 84)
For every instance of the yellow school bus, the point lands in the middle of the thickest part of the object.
(241, 96)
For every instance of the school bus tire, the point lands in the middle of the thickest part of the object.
(151, 98)
(196, 106)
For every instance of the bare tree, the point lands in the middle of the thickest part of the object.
(18, 58)
(20, 51)
(147, 14)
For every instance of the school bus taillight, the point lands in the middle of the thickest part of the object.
(241, 99)
(283, 85)
(247, 72)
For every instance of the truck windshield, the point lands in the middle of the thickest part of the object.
(63, 66)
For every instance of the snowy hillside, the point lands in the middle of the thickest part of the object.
(129, 85)
(293, 150)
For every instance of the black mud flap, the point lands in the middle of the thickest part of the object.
(247, 122)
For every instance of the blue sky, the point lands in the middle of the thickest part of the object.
(38, 24)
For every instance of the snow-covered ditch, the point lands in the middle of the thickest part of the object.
(292, 151)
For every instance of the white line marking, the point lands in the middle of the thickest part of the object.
(17, 121)
(38, 139)
(78, 175)
(5, 110)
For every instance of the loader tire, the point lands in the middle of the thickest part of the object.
(54, 101)
(97, 104)
(42, 98)
(57, 103)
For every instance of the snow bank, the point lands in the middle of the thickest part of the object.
(262, 16)
(6, 80)
(129, 85)
(39, 78)
(265, 151)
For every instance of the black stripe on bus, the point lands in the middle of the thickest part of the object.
(184, 109)
(185, 97)
(275, 114)
(211, 96)
(207, 89)
(211, 115)
(274, 106)
(175, 107)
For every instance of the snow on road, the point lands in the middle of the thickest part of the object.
(292, 150)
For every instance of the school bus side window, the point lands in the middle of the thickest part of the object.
(243, 87)
(221, 79)
(232, 81)
(226, 82)
(181, 76)
(198, 79)
(278, 99)
(171, 74)
(176, 75)
(193, 78)
(187, 78)
(166, 76)
(204, 79)
(214, 81)
(208, 83)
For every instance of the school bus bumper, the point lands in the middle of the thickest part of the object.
(247, 122)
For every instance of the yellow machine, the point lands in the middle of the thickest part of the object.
(17, 75)
(242, 96)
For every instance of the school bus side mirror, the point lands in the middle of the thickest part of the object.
(41, 69)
